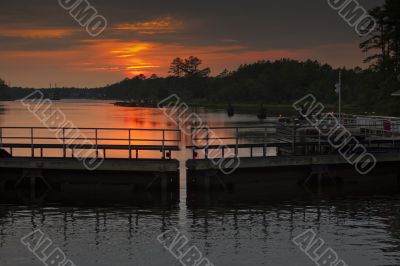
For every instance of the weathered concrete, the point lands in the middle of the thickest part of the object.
(285, 161)
(39, 175)
(141, 165)
(278, 174)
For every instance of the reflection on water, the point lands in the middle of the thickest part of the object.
(364, 230)
(103, 114)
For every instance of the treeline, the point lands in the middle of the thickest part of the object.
(15, 93)
(279, 82)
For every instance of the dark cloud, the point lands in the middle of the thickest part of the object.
(254, 25)
(258, 24)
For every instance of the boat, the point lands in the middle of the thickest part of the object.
(125, 104)
(54, 96)
(146, 103)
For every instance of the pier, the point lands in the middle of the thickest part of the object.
(139, 160)
(274, 154)
(291, 154)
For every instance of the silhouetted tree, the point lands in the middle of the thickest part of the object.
(225, 73)
(384, 44)
(384, 41)
(176, 67)
(188, 67)
(140, 77)
(3, 86)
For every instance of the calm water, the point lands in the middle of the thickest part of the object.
(363, 230)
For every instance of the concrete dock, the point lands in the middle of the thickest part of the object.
(313, 162)
(140, 173)
(291, 173)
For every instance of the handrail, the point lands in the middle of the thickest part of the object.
(100, 139)
(280, 124)
(97, 138)
(99, 128)
(294, 136)
(242, 127)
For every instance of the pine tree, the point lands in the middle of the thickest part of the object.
(384, 41)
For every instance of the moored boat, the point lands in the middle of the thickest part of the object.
(142, 103)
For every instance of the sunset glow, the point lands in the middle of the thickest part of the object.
(145, 45)
(162, 25)
(36, 33)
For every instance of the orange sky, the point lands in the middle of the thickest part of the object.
(112, 59)
(38, 54)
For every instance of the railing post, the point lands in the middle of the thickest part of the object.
(63, 141)
(163, 144)
(192, 143)
(32, 147)
(319, 142)
(130, 147)
(237, 142)
(97, 143)
(207, 137)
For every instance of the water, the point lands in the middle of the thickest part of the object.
(362, 229)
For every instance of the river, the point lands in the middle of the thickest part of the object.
(362, 229)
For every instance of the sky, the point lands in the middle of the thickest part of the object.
(42, 44)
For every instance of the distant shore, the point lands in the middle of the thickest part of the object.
(272, 109)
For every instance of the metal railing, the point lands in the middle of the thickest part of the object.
(372, 125)
(270, 139)
(97, 140)
(229, 141)
(286, 138)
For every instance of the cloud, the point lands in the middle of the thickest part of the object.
(37, 33)
(157, 26)
(40, 40)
